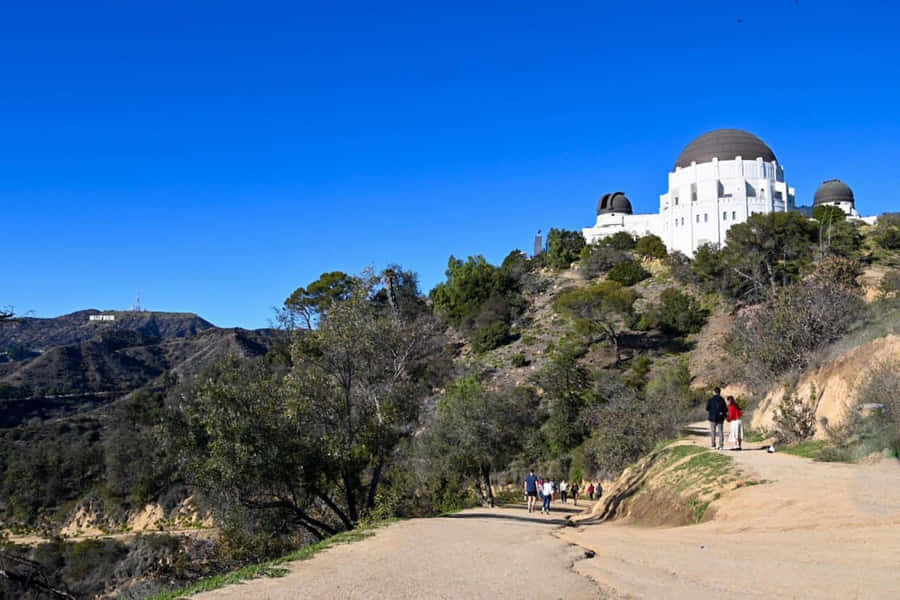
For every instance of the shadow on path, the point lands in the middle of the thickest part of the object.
(545, 520)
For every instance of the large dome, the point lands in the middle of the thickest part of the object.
(833, 190)
(615, 202)
(725, 144)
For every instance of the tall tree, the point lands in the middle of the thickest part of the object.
(599, 311)
(313, 439)
(477, 431)
(308, 304)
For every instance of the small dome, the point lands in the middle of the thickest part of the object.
(616, 202)
(833, 190)
(725, 144)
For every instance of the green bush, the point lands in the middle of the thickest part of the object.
(620, 241)
(887, 231)
(679, 313)
(493, 336)
(651, 246)
(518, 360)
(563, 248)
(628, 273)
(597, 259)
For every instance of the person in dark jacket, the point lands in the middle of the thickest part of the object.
(717, 411)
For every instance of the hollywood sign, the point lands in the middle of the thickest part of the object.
(102, 318)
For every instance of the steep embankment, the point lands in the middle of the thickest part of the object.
(833, 387)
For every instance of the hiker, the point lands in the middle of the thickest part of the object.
(598, 490)
(717, 410)
(531, 490)
(591, 491)
(541, 487)
(563, 491)
(575, 493)
(548, 495)
(736, 432)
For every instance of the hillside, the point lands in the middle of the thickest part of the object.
(117, 358)
(35, 334)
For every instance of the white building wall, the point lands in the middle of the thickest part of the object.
(705, 200)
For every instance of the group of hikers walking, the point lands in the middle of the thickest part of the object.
(720, 410)
(546, 488)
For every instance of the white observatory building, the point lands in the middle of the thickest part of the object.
(720, 179)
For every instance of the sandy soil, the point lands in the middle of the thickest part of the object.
(815, 530)
(479, 553)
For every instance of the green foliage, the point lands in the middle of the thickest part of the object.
(598, 311)
(679, 313)
(795, 419)
(492, 336)
(518, 360)
(621, 240)
(480, 297)
(599, 258)
(311, 444)
(709, 266)
(565, 384)
(636, 375)
(628, 273)
(890, 282)
(306, 305)
(826, 214)
(651, 246)
(477, 431)
(623, 430)
(782, 333)
(768, 251)
(841, 238)
(887, 231)
(563, 248)
(669, 389)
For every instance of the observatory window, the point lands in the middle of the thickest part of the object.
(693, 192)
(706, 217)
(733, 215)
(698, 217)
(725, 216)
(682, 220)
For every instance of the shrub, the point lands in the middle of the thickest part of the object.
(597, 259)
(887, 232)
(620, 241)
(795, 420)
(623, 430)
(679, 313)
(651, 246)
(518, 360)
(628, 273)
(781, 334)
(890, 283)
(493, 336)
(563, 248)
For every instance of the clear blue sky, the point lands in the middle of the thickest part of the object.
(215, 156)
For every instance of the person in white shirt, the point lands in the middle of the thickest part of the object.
(563, 490)
(548, 494)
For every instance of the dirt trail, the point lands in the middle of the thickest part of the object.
(480, 553)
(815, 530)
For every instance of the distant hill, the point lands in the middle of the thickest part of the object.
(41, 334)
(79, 364)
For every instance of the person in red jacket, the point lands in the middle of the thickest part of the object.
(736, 433)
